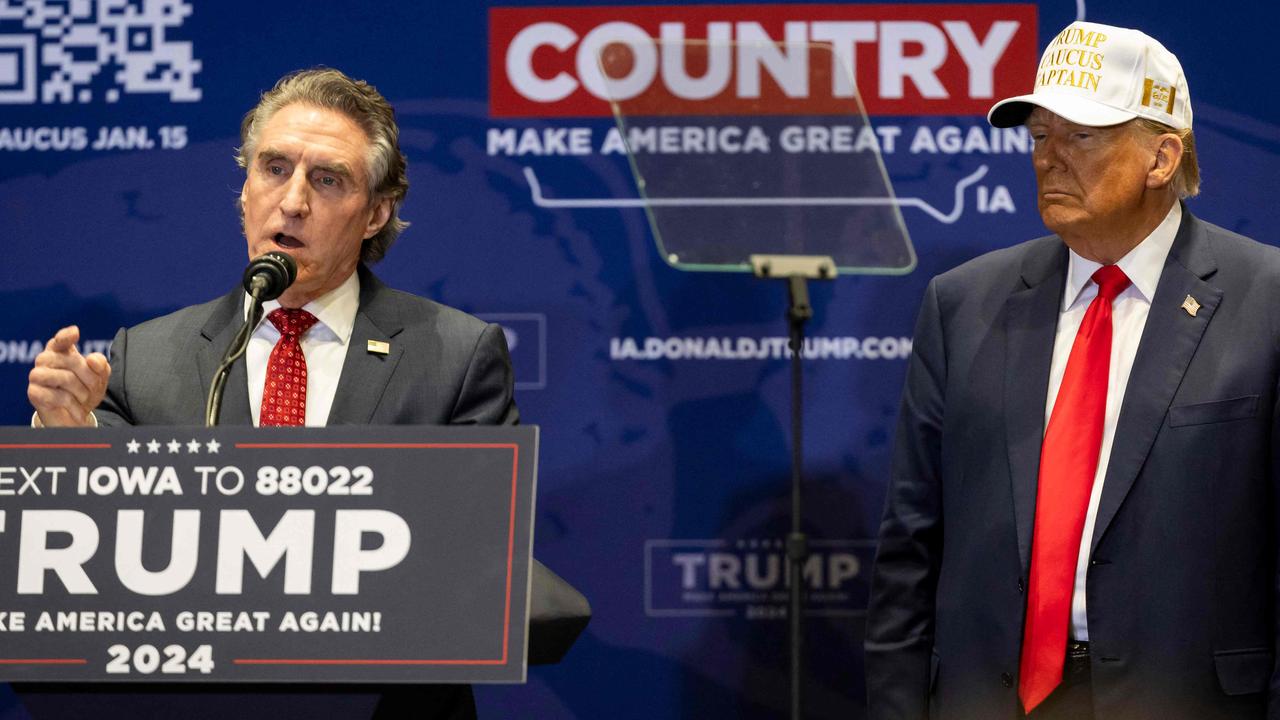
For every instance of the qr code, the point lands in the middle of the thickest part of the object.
(83, 51)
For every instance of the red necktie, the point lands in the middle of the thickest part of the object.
(1068, 462)
(284, 397)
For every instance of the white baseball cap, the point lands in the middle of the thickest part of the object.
(1101, 75)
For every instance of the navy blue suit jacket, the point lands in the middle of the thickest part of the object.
(1181, 590)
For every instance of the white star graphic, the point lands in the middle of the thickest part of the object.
(213, 446)
(153, 446)
(133, 446)
(193, 446)
(175, 446)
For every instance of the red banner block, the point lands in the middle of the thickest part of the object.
(935, 59)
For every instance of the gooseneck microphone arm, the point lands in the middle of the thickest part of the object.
(266, 278)
(213, 405)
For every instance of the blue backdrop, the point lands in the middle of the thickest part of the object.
(661, 393)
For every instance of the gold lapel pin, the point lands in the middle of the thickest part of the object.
(1191, 306)
(380, 348)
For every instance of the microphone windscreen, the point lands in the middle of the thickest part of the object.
(269, 275)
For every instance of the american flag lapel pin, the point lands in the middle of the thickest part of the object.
(377, 347)
(1191, 306)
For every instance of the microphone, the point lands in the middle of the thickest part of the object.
(266, 278)
(269, 275)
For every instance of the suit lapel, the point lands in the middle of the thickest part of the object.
(1168, 343)
(1031, 319)
(216, 335)
(365, 374)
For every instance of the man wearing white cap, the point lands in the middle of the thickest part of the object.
(1081, 520)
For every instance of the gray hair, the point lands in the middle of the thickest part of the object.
(361, 102)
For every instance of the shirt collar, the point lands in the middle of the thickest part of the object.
(335, 311)
(1143, 264)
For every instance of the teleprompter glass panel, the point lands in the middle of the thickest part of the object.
(754, 149)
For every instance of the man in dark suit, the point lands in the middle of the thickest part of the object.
(1081, 518)
(325, 179)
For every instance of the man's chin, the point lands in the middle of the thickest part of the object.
(1060, 219)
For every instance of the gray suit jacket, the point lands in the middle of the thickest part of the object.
(1182, 580)
(444, 368)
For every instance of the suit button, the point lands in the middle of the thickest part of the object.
(1006, 680)
(1022, 586)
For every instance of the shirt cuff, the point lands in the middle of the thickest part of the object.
(36, 423)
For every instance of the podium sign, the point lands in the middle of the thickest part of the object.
(341, 554)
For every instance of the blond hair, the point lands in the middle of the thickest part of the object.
(1187, 182)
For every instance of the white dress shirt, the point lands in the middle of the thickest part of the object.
(324, 346)
(1142, 265)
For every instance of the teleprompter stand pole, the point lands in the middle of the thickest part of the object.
(797, 270)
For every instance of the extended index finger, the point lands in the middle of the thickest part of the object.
(64, 341)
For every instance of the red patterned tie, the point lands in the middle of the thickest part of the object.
(1068, 462)
(284, 397)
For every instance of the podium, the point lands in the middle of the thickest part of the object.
(326, 557)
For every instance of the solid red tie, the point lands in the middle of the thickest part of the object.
(1068, 462)
(284, 397)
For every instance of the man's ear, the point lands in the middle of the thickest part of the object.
(1167, 160)
(378, 218)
